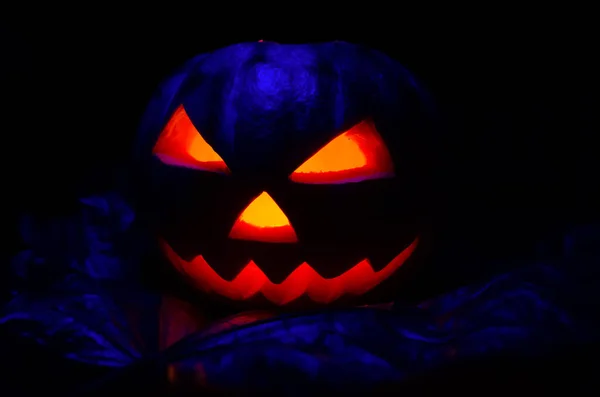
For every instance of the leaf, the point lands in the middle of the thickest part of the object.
(98, 241)
(84, 326)
(360, 348)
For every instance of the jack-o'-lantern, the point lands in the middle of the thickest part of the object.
(284, 173)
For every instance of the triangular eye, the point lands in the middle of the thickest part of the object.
(180, 144)
(356, 155)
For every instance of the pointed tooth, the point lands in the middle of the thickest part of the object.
(183, 249)
(226, 262)
(330, 263)
(381, 256)
(249, 281)
(292, 287)
(277, 261)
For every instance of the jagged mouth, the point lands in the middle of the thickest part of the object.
(304, 280)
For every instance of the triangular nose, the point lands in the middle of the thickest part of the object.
(263, 220)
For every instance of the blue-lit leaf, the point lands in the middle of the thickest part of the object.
(362, 347)
(84, 326)
(98, 241)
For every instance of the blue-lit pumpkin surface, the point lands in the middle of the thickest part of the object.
(284, 173)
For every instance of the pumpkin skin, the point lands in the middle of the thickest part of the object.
(263, 110)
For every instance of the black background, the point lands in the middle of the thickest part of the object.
(514, 86)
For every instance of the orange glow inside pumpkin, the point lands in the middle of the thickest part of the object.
(356, 155)
(181, 144)
(303, 280)
(263, 220)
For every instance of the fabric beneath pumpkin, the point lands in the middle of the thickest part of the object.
(363, 347)
(91, 315)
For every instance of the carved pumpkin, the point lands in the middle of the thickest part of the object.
(284, 173)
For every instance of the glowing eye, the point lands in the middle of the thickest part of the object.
(180, 144)
(356, 155)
